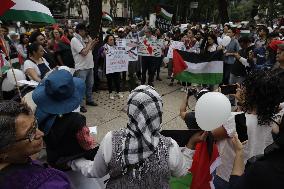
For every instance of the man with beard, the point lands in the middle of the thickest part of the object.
(48, 55)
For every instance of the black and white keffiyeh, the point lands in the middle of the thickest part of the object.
(143, 130)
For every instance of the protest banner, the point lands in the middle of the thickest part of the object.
(164, 17)
(131, 47)
(150, 48)
(116, 60)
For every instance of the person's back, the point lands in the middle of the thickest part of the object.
(266, 173)
(154, 173)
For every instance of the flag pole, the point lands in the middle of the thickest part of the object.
(11, 66)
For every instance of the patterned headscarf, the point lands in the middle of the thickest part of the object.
(145, 118)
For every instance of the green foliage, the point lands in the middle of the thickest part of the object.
(55, 6)
(241, 11)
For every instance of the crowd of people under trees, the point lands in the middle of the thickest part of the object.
(139, 155)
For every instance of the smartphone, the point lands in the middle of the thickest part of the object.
(241, 127)
(229, 89)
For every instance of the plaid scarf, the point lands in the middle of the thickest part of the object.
(145, 118)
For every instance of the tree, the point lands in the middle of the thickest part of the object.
(223, 11)
(55, 6)
(95, 16)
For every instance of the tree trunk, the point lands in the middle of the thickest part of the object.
(223, 11)
(69, 7)
(95, 17)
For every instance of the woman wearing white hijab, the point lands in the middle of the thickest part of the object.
(138, 156)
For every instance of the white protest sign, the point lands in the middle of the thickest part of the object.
(131, 47)
(116, 60)
(150, 48)
(175, 45)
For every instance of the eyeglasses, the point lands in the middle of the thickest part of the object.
(31, 132)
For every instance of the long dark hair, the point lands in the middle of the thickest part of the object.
(33, 48)
(22, 37)
(107, 37)
(213, 36)
(262, 93)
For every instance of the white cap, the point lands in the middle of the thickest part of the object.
(12, 33)
(120, 30)
(133, 26)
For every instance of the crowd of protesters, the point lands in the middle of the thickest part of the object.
(69, 66)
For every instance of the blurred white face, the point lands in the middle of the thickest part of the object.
(148, 33)
(189, 34)
(110, 41)
(2, 31)
(226, 29)
(230, 33)
(14, 38)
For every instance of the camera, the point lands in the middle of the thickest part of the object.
(191, 92)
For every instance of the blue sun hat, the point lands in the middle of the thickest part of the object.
(59, 93)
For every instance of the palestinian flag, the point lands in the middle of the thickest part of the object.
(5, 5)
(205, 68)
(165, 14)
(163, 17)
(27, 10)
(203, 166)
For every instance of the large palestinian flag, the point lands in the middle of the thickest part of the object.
(202, 68)
(26, 10)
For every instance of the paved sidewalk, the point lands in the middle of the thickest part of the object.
(109, 114)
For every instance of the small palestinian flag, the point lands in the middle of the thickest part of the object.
(204, 68)
(163, 13)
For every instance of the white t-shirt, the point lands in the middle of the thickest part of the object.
(259, 137)
(180, 160)
(30, 64)
(81, 62)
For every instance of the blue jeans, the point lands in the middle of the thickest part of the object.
(88, 76)
(219, 183)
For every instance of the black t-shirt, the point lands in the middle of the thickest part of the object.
(50, 58)
(238, 69)
(64, 50)
(265, 173)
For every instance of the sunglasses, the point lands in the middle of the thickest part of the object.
(31, 133)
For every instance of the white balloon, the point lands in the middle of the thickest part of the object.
(166, 60)
(19, 76)
(212, 110)
(226, 40)
(7, 85)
